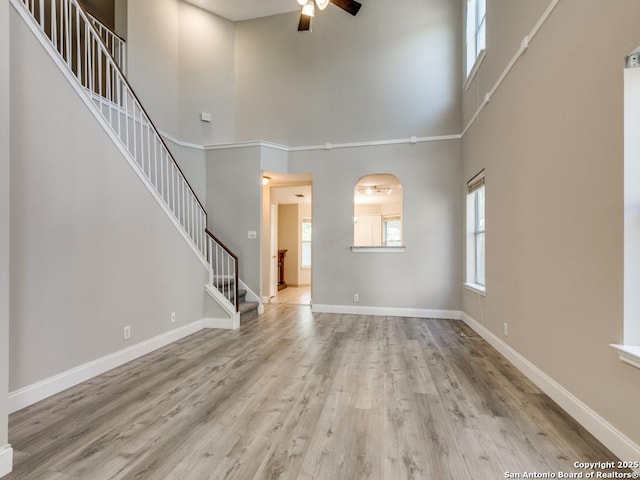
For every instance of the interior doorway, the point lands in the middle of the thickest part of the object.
(289, 208)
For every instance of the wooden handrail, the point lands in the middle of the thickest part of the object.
(224, 247)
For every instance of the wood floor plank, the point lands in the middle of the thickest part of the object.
(296, 395)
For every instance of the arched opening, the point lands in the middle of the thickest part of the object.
(377, 211)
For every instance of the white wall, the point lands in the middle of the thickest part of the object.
(551, 140)
(428, 274)
(91, 250)
(4, 222)
(389, 72)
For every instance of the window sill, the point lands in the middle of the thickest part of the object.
(355, 249)
(476, 288)
(474, 70)
(629, 354)
(305, 267)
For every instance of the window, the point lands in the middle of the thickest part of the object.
(629, 349)
(391, 231)
(377, 211)
(476, 233)
(476, 31)
(306, 243)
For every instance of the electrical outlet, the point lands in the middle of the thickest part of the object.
(356, 297)
(505, 329)
(126, 335)
(173, 317)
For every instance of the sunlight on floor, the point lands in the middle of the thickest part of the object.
(293, 296)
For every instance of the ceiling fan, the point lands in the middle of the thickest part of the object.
(308, 9)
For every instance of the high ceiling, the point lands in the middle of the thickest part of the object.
(237, 10)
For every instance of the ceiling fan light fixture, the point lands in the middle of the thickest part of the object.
(301, 2)
(322, 4)
(308, 9)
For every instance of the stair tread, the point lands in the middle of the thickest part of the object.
(247, 306)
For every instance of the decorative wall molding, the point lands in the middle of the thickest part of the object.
(606, 433)
(6, 460)
(387, 311)
(35, 392)
(326, 146)
(524, 45)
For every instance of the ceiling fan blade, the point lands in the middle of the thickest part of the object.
(349, 6)
(305, 23)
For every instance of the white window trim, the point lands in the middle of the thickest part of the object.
(629, 350)
(476, 288)
(471, 233)
(474, 70)
(628, 354)
(302, 242)
(471, 43)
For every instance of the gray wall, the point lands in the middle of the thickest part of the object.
(153, 39)
(181, 63)
(91, 250)
(206, 66)
(428, 274)
(391, 72)
(234, 206)
(551, 141)
(4, 217)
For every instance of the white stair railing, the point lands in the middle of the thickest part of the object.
(82, 48)
(114, 42)
(85, 53)
(223, 270)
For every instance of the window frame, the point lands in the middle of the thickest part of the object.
(386, 219)
(475, 37)
(306, 221)
(476, 235)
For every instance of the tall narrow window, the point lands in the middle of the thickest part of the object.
(476, 233)
(306, 243)
(629, 349)
(476, 31)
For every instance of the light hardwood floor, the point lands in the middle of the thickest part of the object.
(294, 395)
(293, 296)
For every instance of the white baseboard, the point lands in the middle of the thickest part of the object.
(224, 323)
(387, 311)
(606, 433)
(33, 393)
(6, 460)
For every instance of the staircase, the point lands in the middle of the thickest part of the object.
(93, 59)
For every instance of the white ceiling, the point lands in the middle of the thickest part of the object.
(390, 190)
(287, 195)
(237, 10)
